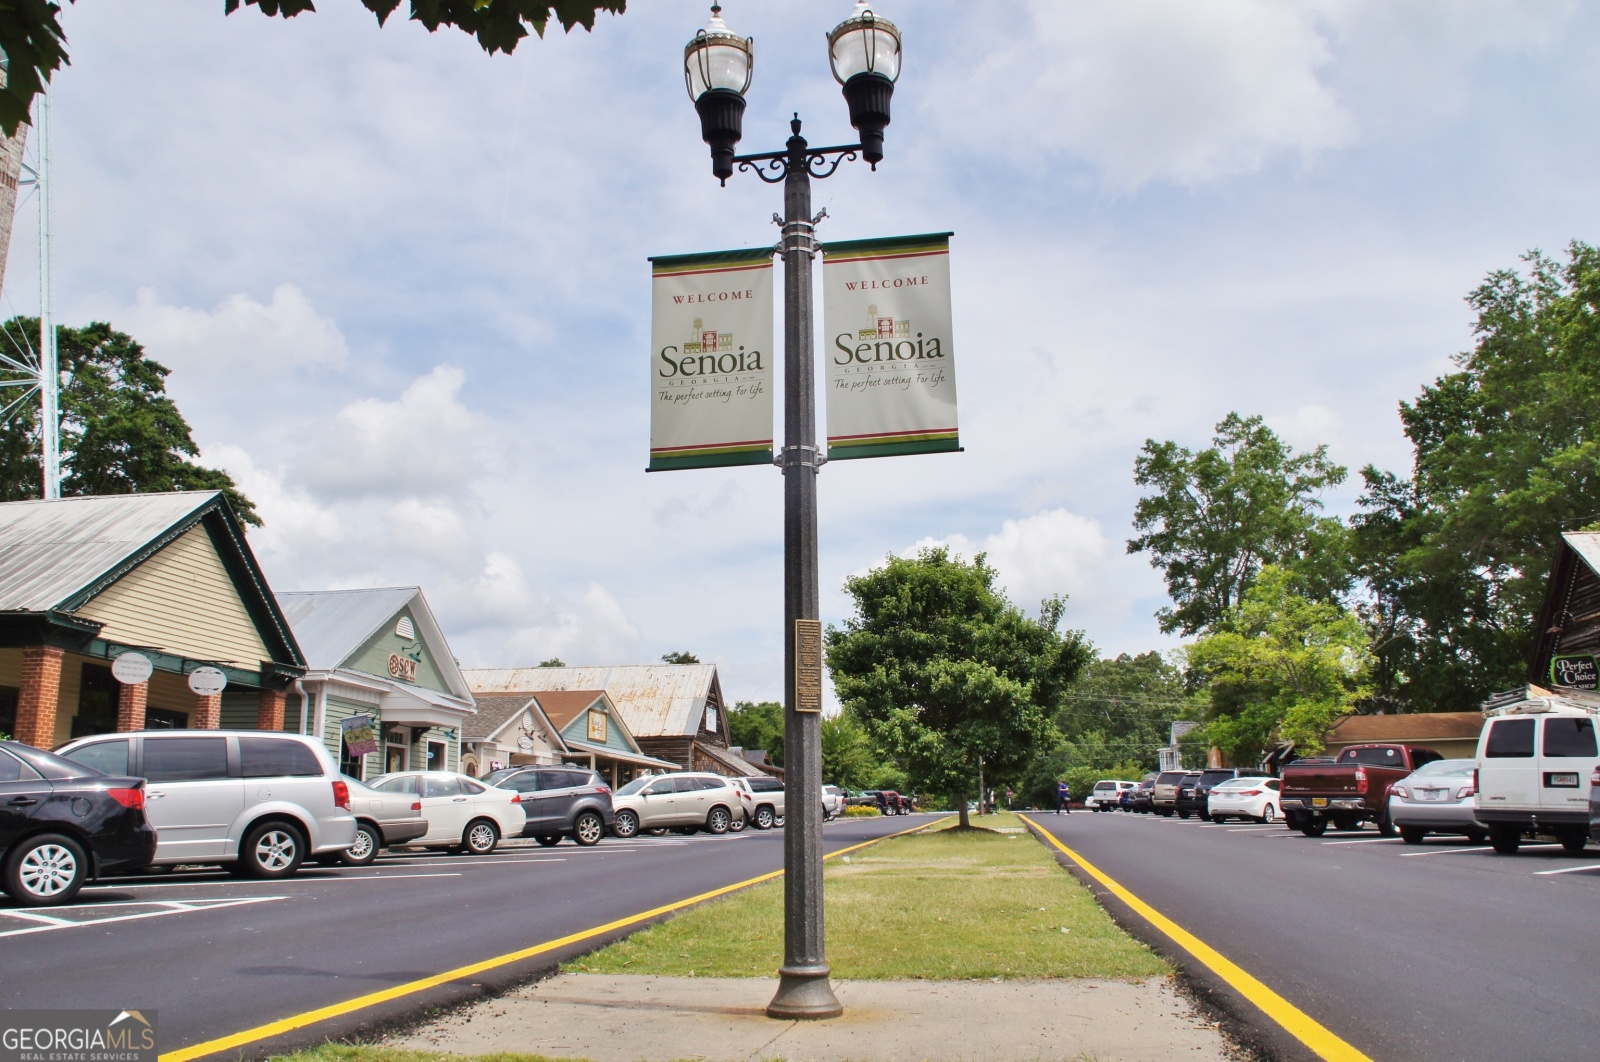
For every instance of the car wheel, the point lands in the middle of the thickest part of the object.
(764, 818)
(1412, 834)
(1269, 815)
(549, 840)
(480, 837)
(1573, 842)
(365, 849)
(272, 850)
(1477, 836)
(625, 825)
(1386, 826)
(46, 868)
(737, 825)
(717, 820)
(1313, 827)
(588, 828)
(1506, 838)
(1184, 814)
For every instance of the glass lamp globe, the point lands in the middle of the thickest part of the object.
(716, 71)
(865, 52)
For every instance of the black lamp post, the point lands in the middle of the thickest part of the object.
(864, 51)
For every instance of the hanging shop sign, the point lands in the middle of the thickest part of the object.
(402, 667)
(1577, 671)
(207, 681)
(130, 669)
(711, 360)
(360, 734)
(891, 384)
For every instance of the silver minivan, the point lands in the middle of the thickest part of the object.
(257, 802)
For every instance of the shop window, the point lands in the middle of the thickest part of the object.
(97, 702)
(8, 710)
(351, 766)
(436, 756)
(165, 719)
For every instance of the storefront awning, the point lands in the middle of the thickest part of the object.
(607, 753)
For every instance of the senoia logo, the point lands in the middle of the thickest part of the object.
(852, 350)
(725, 363)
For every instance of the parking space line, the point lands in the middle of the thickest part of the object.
(1257, 829)
(1370, 840)
(1565, 870)
(1295, 1021)
(162, 909)
(1446, 851)
(372, 999)
(279, 882)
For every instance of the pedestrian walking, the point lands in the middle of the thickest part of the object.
(1063, 798)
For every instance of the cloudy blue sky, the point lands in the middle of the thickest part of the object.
(402, 285)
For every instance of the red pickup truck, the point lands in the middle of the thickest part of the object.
(1351, 789)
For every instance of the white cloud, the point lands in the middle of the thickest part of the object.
(240, 335)
(1309, 427)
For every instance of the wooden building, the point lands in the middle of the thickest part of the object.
(1566, 654)
(167, 580)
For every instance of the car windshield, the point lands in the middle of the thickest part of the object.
(1239, 783)
(1446, 767)
(635, 785)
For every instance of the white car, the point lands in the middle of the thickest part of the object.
(1107, 794)
(463, 814)
(687, 802)
(1245, 798)
(1534, 761)
(832, 802)
(765, 805)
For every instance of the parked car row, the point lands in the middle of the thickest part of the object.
(260, 804)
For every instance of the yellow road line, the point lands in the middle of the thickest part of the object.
(1295, 1021)
(372, 999)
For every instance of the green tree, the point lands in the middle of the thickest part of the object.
(120, 433)
(36, 47)
(554, 661)
(941, 669)
(1126, 704)
(757, 725)
(679, 658)
(1506, 456)
(1217, 516)
(1279, 666)
(848, 759)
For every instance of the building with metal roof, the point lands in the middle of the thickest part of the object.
(110, 605)
(382, 689)
(564, 726)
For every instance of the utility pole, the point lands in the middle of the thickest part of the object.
(49, 367)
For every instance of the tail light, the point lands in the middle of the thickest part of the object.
(1251, 792)
(1594, 779)
(602, 789)
(1466, 791)
(341, 795)
(128, 798)
(1400, 791)
(1361, 780)
(516, 798)
(417, 806)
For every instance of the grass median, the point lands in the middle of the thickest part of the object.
(940, 905)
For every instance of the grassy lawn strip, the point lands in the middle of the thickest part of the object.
(934, 906)
(346, 1053)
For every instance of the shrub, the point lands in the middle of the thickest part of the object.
(859, 811)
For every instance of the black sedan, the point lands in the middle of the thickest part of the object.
(62, 823)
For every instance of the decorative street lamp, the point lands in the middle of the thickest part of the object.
(864, 51)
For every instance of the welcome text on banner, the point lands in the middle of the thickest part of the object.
(711, 360)
(891, 385)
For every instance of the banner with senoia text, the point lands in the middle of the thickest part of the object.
(711, 360)
(891, 386)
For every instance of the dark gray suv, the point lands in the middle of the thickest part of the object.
(559, 802)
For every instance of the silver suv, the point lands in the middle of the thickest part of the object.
(257, 802)
(766, 797)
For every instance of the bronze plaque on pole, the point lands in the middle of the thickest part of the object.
(807, 665)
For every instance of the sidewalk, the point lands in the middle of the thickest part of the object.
(633, 1018)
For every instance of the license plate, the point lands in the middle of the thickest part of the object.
(1432, 794)
(1319, 802)
(1556, 780)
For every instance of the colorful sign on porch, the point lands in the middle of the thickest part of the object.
(711, 359)
(360, 734)
(891, 385)
(1577, 671)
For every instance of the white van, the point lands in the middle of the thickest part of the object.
(1533, 766)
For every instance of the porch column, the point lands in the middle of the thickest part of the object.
(41, 689)
(269, 709)
(207, 711)
(131, 701)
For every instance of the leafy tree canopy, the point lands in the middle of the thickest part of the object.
(1279, 665)
(848, 759)
(1217, 516)
(120, 433)
(941, 669)
(554, 661)
(36, 47)
(753, 725)
(1506, 457)
(679, 658)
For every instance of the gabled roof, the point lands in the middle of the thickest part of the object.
(56, 555)
(655, 700)
(1408, 727)
(1585, 544)
(333, 625)
(496, 710)
(563, 706)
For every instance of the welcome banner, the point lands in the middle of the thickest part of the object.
(891, 386)
(711, 360)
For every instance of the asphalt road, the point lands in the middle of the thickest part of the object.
(216, 955)
(1443, 952)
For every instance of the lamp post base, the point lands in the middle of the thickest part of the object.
(804, 993)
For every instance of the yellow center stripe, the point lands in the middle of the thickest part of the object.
(1295, 1021)
(372, 999)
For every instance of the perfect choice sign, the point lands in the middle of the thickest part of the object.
(1576, 671)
